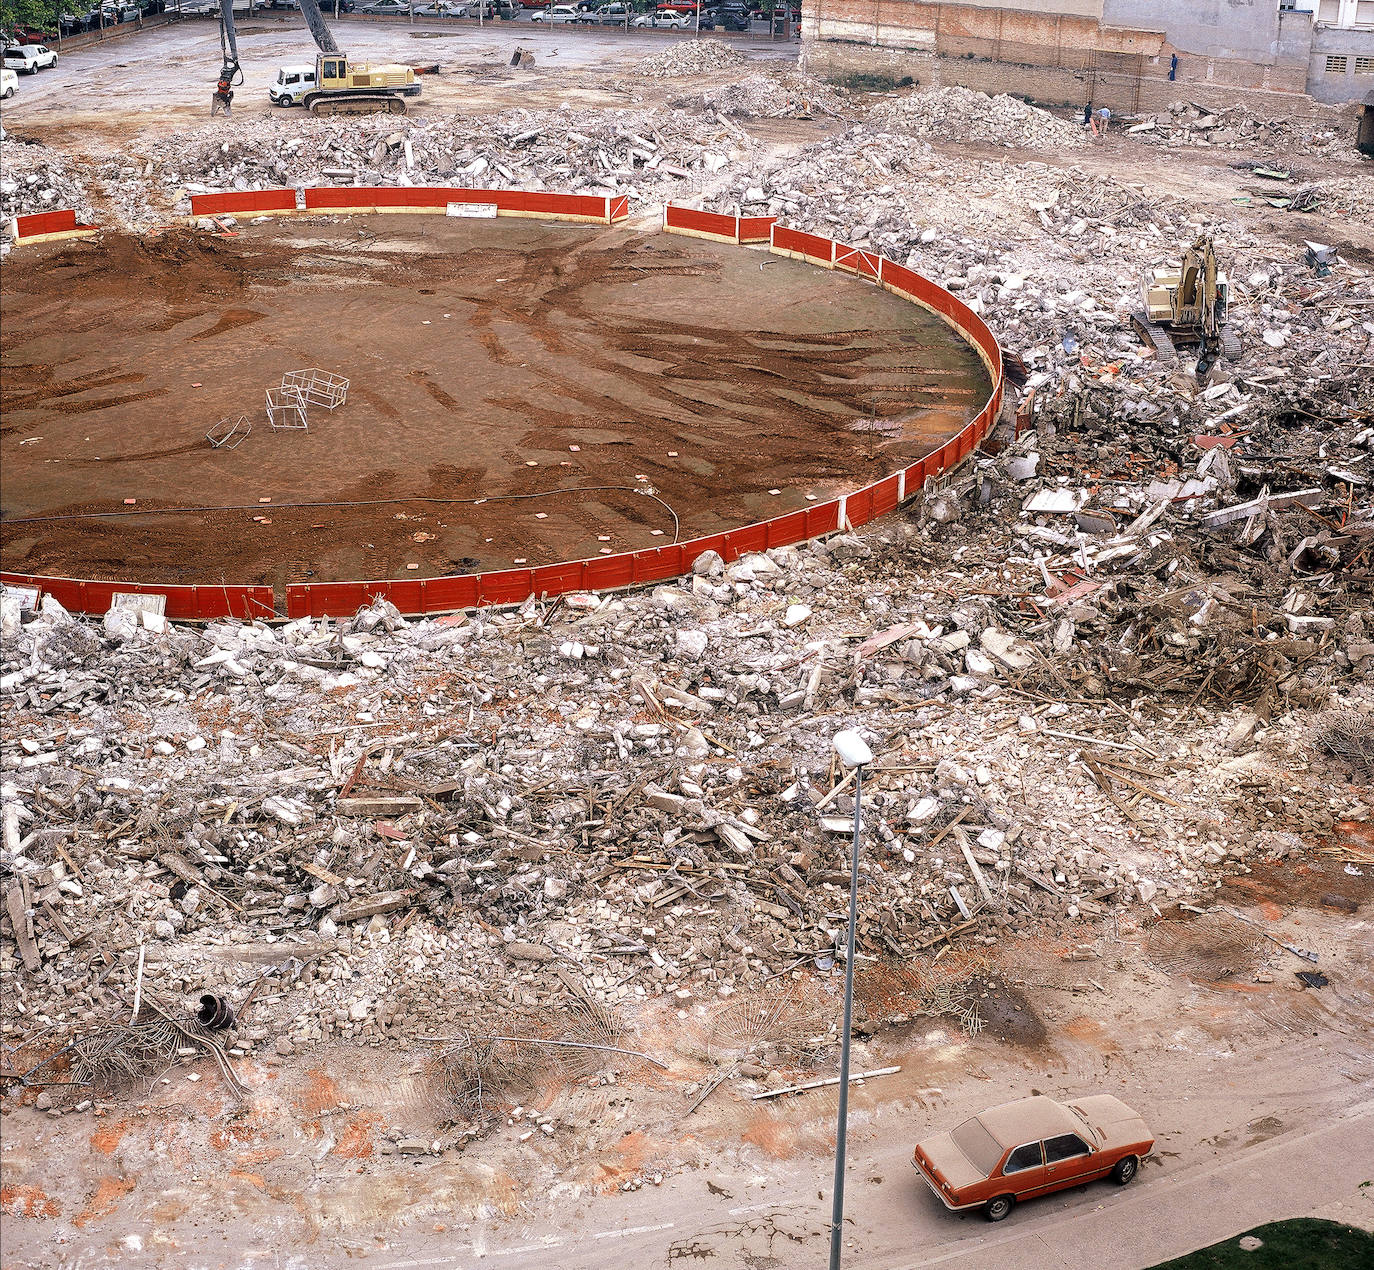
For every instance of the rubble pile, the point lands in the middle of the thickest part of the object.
(38, 179)
(772, 94)
(961, 114)
(406, 826)
(688, 57)
(1053, 260)
(650, 154)
(1238, 128)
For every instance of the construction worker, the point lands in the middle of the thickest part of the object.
(223, 98)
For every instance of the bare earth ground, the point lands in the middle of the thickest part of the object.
(1259, 1090)
(485, 359)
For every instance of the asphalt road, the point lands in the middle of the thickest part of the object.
(900, 1226)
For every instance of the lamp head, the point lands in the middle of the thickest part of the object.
(852, 749)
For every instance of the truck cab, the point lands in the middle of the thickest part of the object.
(291, 85)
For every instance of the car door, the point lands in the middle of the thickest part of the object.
(1023, 1172)
(1068, 1161)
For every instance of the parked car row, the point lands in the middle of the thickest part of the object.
(114, 13)
(29, 59)
(732, 15)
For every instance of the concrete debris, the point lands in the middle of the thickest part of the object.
(1328, 131)
(689, 57)
(39, 179)
(961, 114)
(400, 875)
(773, 94)
(649, 154)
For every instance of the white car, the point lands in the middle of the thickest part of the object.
(674, 21)
(29, 59)
(9, 83)
(556, 13)
(292, 83)
(386, 6)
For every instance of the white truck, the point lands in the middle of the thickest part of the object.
(291, 85)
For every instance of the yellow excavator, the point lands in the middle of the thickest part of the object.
(1187, 305)
(342, 86)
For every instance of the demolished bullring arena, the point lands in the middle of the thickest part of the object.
(438, 551)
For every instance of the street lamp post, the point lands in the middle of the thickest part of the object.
(853, 753)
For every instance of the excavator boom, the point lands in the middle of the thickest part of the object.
(319, 32)
(229, 44)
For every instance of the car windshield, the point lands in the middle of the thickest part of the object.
(979, 1147)
(1083, 1120)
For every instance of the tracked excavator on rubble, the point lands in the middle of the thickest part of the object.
(342, 86)
(1187, 305)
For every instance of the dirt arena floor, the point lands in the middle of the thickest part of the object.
(533, 381)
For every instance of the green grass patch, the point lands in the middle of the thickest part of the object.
(1305, 1243)
(863, 82)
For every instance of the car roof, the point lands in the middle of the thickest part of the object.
(1028, 1119)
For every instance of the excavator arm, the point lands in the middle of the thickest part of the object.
(230, 73)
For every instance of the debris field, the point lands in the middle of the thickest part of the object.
(1117, 661)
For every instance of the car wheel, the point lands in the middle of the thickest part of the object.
(999, 1209)
(53, 63)
(1125, 1170)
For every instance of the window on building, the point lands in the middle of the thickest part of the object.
(1336, 65)
(1364, 66)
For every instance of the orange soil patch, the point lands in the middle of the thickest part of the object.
(107, 1138)
(108, 1192)
(632, 1149)
(505, 1193)
(27, 1201)
(1271, 911)
(355, 1143)
(773, 1137)
(1090, 1030)
(320, 1092)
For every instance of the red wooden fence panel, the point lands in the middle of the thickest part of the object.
(37, 223)
(243, 201)
(699, 222)
(756, 229)
(323, 198)
(184, 603)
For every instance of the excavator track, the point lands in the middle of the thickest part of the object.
(355, 104)
(1155, 336)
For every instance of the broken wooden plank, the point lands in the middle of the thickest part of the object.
(973, 866)
(821, 1084)
(369, 906)
(21, 920)
(378, 805)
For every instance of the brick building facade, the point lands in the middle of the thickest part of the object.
(1129, 55)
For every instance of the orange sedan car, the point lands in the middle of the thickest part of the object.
(1032, 1147)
